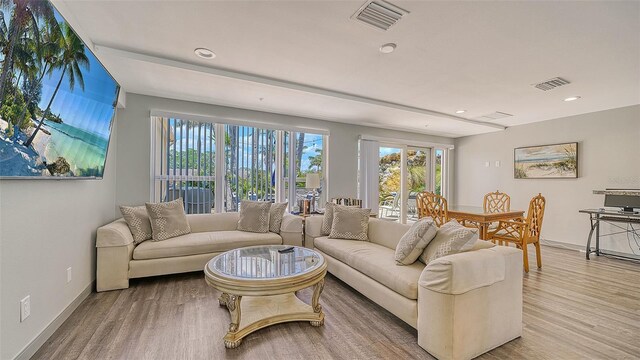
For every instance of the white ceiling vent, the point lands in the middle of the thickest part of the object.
(379, 14)
(493, 116)
(551, 84)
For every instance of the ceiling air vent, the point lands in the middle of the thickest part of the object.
(380, 14)
(493, 116)
(551, 84)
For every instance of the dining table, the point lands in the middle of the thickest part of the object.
(477, 215)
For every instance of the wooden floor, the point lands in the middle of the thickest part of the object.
(573, 309)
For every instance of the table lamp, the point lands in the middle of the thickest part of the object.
(312, 181)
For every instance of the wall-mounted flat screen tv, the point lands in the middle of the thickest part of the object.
(57, 101)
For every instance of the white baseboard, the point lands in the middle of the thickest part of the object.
(35, 344)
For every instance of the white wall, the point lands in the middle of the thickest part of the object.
(133, 163)
(609, 144)
(47, 226)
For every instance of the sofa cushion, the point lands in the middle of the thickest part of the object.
(452, 238)
(350, 223)
(168, 219)
(254, 216)
(276, 213)
(376, 261)
(138, 221)
(414, 241)
(203, 243)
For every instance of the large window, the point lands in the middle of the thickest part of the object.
(254, 164)
(250, 155)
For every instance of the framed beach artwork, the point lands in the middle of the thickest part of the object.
(557, 161)
(57, 101)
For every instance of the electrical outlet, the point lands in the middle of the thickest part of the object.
(497, 163)
(68, 275)
(25, 308)
(487, 164)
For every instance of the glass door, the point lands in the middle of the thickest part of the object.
(418, 160)
(390, 184)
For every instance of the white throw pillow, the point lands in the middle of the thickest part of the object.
(451, 238)
(327, 219)
(415, 240)
(168, 219)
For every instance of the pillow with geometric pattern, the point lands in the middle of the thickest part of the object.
(168, 219)
(276, 213)
(254, 216)
(350, 223)
(138, 221)
(415, 240)
(451, 238)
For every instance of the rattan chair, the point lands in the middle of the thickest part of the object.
(496, 202)
(433, 206)
(523, 233)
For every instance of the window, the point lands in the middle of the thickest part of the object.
(389, 185)
(184, 163)
(254, 164)
(438, 172)
(250, 163)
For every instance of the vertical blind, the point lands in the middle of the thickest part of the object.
(259, 164)
(185, 163)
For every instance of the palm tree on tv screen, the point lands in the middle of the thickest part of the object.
(24, 16)
(71, 59)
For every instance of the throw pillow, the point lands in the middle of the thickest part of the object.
(350, 223)
(451, 238)
(276, 213)
(254, 216)
(327, 220)
(414, 241)
(168, 219)
(138, 221)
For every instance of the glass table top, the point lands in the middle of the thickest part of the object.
(266, 262)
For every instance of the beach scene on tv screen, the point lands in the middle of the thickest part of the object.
(57, 101)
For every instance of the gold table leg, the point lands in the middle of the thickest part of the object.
(315, 303)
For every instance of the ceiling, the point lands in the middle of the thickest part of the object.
(308, 58)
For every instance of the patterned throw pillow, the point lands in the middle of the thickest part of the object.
(276, 213)
(168, 219)
(350, 223)
(451, 238)
(414, 241)
(254, 216)
(327, 219)
(138, 220)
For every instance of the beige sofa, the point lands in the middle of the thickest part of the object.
(119, 260)
(462, 305)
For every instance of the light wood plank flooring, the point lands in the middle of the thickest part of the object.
(573, 309)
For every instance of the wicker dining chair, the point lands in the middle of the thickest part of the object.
(496, 202)
(523, 233)
(433, 206)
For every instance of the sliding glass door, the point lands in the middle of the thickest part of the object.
(390, 165)
(422, 169)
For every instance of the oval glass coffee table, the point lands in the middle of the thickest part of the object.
(259, 285)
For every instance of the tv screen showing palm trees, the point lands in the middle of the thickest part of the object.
(57, 101)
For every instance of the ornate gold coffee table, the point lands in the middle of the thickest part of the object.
(259, 285)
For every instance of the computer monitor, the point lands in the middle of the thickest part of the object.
(627, 202)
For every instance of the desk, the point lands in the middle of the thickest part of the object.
(611, 217)
(477, 214)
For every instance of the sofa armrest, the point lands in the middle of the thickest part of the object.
(313, 226)
(116, 233)
(459, 273)
(291, 224)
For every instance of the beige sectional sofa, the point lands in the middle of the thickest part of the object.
(462, 305)
(119, 259)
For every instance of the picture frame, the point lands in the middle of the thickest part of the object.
(552, 161)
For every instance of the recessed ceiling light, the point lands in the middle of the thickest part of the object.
(571, 98)
(461, 111)
(204, 53)
(387, 48)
